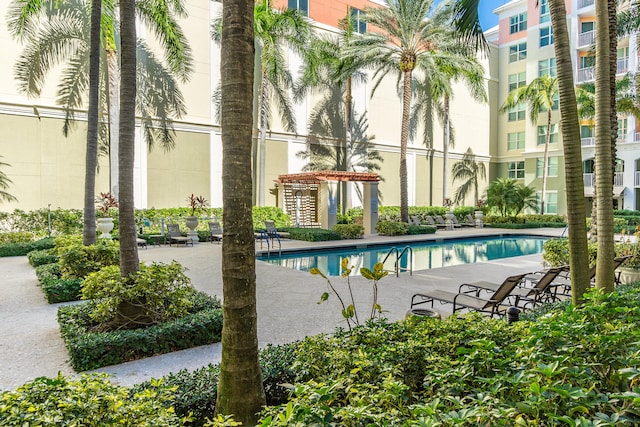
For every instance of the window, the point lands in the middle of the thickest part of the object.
(587, 61)
(301, 5)
(517, 80)
(552, 167)
(518, 52)
(554, 106)
(586, 131)
(542, 134)
(551, 204)
(546, 36)
(587, 27)
(358, 20)
(622, 129)
(547, 67)
(515, 170)
(518, 23)
(516, 113)
(545, 16)
(515, 141)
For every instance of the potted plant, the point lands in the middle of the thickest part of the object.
(196, 203)
(105, 224)
(629, 271)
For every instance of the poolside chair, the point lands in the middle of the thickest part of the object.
(457, 223)
(414, 220)
(433, 222)
(215, 231)
(273, 232)
(471, 221)
(617, 262)
(175, 236)
(461, 301)
(540, 289)
(440, 220)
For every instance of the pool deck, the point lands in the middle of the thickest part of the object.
(31, 346)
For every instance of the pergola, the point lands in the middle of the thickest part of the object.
(311, 197)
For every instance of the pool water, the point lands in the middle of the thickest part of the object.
(426, 255)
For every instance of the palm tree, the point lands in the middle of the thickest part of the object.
(578, 254)
(626, 100)
(412, 31)
(240, 390)
(57, 34)
(4, 185)
(469, 171)
(510, 197)
(274, 31)
(540, 95)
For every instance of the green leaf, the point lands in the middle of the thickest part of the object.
(324, 297)
(315, 271)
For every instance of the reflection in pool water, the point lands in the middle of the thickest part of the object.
(426, 255)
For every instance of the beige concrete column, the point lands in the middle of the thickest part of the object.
(370, 206)
(328, 203)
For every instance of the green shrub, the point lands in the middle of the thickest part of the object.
(392, 228)
(522, 226)
(78, 260)
(91, 350)
(349, 231)
(54, 287)
(90, 400)
(63, 221)
(547, 218)
(16, 237)
(311, 234)
(556, 252)
(21, 249)
(421, 229)
(41, 257)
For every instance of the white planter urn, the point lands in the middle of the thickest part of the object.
(629, 275)
(192, 223)
(479, 215)
(105, 225)
(448, 220)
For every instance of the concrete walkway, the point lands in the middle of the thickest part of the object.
(31, 346)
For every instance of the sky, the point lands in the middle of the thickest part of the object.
(488, 19)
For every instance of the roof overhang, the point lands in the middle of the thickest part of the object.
(617, 191)
(319, 176)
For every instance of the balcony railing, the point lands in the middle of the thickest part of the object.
(622, 65)
(589, 178)
(585, 3)
(588, 142)
(587, 38)
(636, 137)
(636, 182)
(586, 74)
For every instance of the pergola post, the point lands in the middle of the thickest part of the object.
(370, 206)
(328, 203)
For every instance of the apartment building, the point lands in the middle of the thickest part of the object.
(524, 40)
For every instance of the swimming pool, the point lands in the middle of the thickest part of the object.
(426, 255)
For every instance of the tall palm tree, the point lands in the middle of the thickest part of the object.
(578, 253)
(510, 197)
(240, 390)
(4, 185)
(58, 34)
(626, 100)
(412, 31)
(469, 171)
(540, 95)
(604, 175)
(274, 30)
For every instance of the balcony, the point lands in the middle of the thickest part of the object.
(589, 179)
(622, 65)
(586, 39)
(585, 3)
(636, 180)
(586, 74)
(588, 142)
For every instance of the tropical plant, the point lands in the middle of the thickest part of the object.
(4, 185)
(469, 171)
(197, 203)
(412, 31)
(572, 153)
(510, 197)
(540, 95)
(106, 201)
(240, 390)
(625, 96)
(274, 30)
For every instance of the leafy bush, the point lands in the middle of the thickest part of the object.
(41, 257)
(91, 350)
(21, 249)
(392, 228)
(63, 221)
(78, 260)
(54, 287)
(421, 229)
(15, 237)
(556, 252)
(162, 289)
(522, 226)
(90, 400)
(546, 218)
(311, 234)
(349, 231)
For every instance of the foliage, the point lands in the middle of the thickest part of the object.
(525, 221)
(421, 229)
(106, 201)
(15, 237)
(90, 400)
(21, 249)
(311, 234)
(556, 252)
(349, 231)
(89, 349)
(54, 287)
(41, 257)
(392, 228)
(349, 310)
(63, 221)
(162, 291)
(632, 249)
(196, 203)
(4, 185)
(509, 197)
(78, 260)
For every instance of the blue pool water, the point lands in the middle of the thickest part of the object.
(426, 255)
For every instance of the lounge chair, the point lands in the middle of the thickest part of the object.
(471, 221)
(617, 262)
(414, 220)
(175, 236)
(440, 220)
(433, 222)
(492, 305)
(457, 223)
(215, 232)
(541, 289)
(273, 232)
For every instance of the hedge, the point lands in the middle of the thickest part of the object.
(311, 234)
(21, 249)
(91, 350)
(349, 231)
(41, 257)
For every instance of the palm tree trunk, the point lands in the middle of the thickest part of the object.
(349, 148)
(263, 137)
(404, 137)
(604, 177)
(240, 390)
(91, 158)
(113, 72)
(445, 150)
(545, 162)
(578, 254)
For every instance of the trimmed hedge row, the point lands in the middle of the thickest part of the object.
(23, 248)
(42, 257)
(349, 231)
(311, 234)
(55, 288)
(91, 350)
